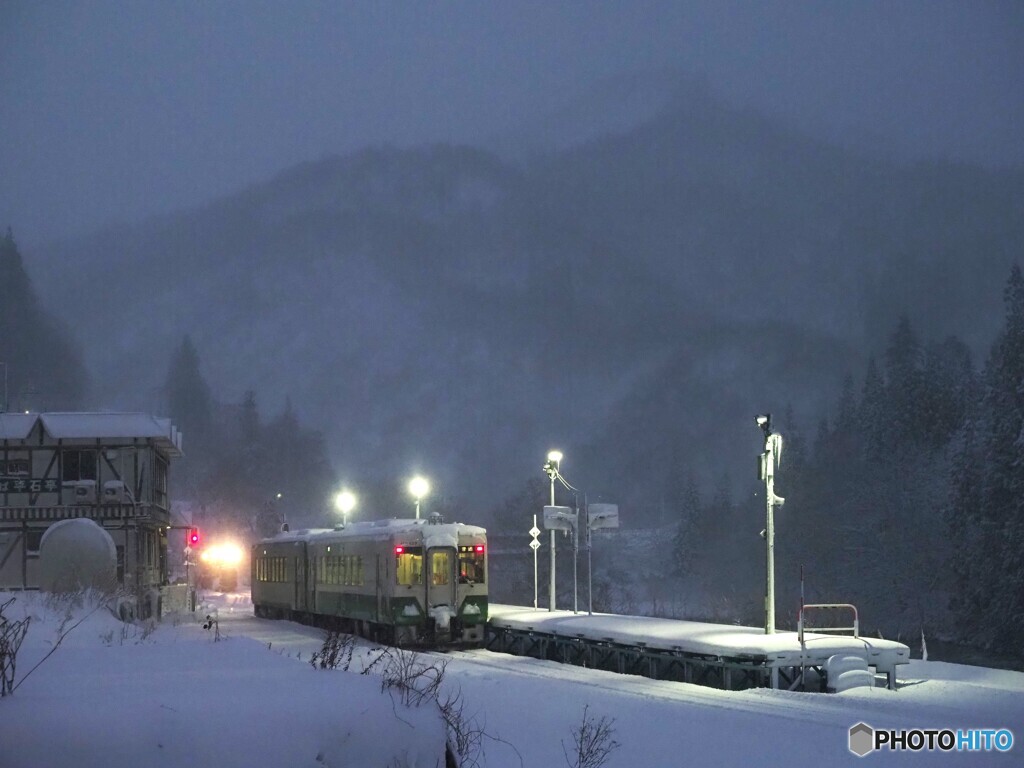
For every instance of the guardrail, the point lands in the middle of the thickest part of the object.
(803, 609)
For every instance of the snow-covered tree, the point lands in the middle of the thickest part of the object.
(987, 504)
(44, 370)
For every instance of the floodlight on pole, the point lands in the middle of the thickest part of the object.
(551, 469)
(345, 502)
(419, 487)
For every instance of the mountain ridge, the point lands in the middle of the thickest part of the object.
(439, 306)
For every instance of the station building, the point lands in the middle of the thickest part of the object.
(111, 468)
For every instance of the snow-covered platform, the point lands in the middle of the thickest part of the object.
(718, 655)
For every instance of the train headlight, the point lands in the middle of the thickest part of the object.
(222, 555)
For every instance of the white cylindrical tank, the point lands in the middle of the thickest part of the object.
(77, 553)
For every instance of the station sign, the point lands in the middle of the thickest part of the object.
(559, 518)
(603, 515)
(16, 484)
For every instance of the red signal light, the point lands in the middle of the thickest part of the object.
(193, 537)
(399, 550)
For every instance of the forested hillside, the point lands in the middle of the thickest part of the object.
(633, 297)
(41, 367)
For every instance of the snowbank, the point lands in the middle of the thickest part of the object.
(117, 695)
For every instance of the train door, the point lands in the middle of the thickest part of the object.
(300, 581)
(378, 587)
(441, 577)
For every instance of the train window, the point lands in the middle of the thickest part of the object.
(471, 564)
(409, 566)
(440, 568)
(272, 569)
(352, 564)
(357, 576)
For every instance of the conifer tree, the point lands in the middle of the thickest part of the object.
(685, 542)
(44, 369)
(872, 416)
(188, 396)
(903, 390)
(1001, 513)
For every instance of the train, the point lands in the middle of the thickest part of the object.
(219, 566)
(408, 582)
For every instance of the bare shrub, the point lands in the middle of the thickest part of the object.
(413, 680)
(592, 742)
(464, 732)
(418, 682)
(335, 652)
(67, 602)
(12, 633)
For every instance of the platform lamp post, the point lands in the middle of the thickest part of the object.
(3, 403)
(345, 502)
(419, 487)
(551, 467)
(769, 460)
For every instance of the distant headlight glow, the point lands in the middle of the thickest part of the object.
(222, 555)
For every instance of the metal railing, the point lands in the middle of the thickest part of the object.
(803, 609)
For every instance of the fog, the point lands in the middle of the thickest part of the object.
(341, 243)
(111, 111)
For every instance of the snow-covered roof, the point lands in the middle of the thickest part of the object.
(689, 636)
(17, 426)
(434, 534)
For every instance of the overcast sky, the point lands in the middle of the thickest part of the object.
(114, 110)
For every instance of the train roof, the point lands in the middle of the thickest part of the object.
(434, 534)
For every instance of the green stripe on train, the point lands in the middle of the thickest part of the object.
(473, 610)
(349, 605)
(400, 611)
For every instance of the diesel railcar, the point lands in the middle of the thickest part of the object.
(407, 582)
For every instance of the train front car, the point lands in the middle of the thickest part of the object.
(440, 584)
(410, 582)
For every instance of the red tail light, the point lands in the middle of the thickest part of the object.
(399, 550)
(480, 548)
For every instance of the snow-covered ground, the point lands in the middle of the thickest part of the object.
(116, 696)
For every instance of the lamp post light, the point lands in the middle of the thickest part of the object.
(419, 487)
(551, 469)
(769, 459)
(345, 502)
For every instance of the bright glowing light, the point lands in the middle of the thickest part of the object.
(479, 548)
(399, 550)
(419, 487)
(345, 501)
(555, 456)
(227, 555)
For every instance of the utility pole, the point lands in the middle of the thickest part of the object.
(769, 459)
